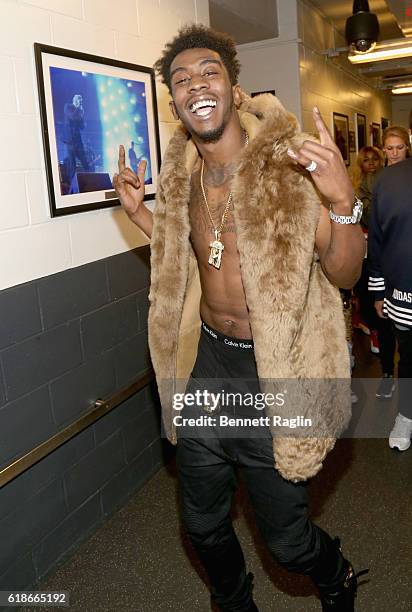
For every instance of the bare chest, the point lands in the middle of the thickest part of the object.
(213, 229)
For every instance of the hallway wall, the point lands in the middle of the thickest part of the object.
(73, 298)
(333, 84)
(402, 110)
(274, 64)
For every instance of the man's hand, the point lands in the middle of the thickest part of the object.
(330, 176)
(379, 309)
(128, 185)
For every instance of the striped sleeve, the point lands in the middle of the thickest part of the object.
(400, 315)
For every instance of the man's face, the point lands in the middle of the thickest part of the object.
(77, 100)
(203, 97)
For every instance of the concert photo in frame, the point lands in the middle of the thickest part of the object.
(341, 135)
(89, 106)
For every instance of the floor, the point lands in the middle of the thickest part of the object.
(140, 560)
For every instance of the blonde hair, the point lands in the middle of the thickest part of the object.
(399, 132)
(357, 171)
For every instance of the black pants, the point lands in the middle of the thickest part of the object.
(386, 336)
(404, 338)
(206, 468)
(387, 345)
(366, 298)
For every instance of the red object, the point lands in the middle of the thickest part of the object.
(374, 341)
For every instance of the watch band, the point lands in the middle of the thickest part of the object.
(355, 217)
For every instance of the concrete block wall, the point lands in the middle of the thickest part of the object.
(73, 298)
(129, 30)
(65, 341)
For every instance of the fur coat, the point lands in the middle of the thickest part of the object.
(296, 315)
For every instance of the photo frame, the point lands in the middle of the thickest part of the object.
(89, 105)
(352, 141)
(341, 135)
(384, 123)
(360, 131)
(376, 134)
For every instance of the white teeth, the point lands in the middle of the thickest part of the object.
(201, 104)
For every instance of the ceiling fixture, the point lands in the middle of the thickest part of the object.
(393, 49)
(403, 89)
(362, 28)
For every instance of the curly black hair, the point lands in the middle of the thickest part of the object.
(196, 36)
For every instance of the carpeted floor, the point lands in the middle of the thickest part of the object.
(140, 561)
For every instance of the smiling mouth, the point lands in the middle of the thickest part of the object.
(202, 108)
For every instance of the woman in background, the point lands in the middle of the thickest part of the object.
(369, 162)
(396, 144)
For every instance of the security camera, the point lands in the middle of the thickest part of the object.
(362, 28)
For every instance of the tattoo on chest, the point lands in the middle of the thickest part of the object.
(199, 218)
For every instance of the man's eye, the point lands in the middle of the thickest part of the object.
(210, 72)
(182, 80)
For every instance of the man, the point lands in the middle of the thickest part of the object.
(390, 278)
(236, 238)
(73, 127)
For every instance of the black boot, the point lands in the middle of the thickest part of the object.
(341, 597)
(241, 601)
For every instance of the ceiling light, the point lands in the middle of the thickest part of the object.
(404, 89)
(384, 51)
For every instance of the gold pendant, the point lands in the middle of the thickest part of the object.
(216, 249)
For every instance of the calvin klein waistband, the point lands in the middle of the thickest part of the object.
(230, 342)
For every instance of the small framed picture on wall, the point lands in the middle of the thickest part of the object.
(89, 106)
(341, 135)
(360, 131)
(376, 134)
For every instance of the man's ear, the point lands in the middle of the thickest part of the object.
(173, 110)
(237, 96)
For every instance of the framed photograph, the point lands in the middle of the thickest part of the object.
(384, 123)
(352, 141)
(341, 135)
(360, 131)
(376, 134)
(89, 106)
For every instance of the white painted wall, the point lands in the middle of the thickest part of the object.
(401, 110)
(32, 244)
(334, 85)
(274, 63)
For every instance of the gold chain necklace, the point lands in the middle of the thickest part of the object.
(216, 246)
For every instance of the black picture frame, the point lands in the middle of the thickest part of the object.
(384, 123)
(341, 135)
(376, 134)
(81, 138)
(266, 91)
(360, 131)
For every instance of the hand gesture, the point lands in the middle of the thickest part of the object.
(129, 186)
(328, 168)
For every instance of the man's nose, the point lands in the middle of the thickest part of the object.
(197, 83)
